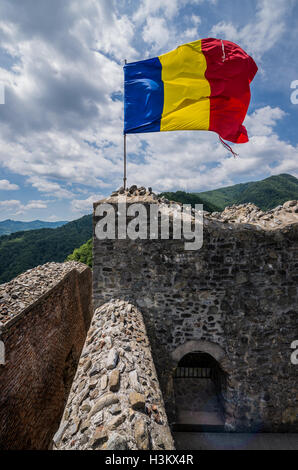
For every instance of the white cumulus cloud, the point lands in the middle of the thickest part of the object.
(261, 33)
(15, 207)
(5, 185)
(83, 206)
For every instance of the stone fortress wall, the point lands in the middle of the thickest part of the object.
(235, 298)
(154, 302)
(45, 315)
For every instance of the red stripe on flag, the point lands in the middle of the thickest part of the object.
(229, 76)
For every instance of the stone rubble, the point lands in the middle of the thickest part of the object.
(247, 213)
(143, 195)
(25, 289)
(112, 408)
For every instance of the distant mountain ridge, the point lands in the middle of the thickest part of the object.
(273, 191)
(266, 194)
(190, 198)
(9, 226)
(26, 249)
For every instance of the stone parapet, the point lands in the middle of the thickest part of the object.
(115, 401)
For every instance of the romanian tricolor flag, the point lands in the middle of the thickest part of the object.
(202, 85)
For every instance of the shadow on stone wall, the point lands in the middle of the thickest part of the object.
(42, 345)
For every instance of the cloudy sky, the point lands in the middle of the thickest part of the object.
(61, 63)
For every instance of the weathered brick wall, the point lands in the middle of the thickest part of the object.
(239, 292)
(42, 347)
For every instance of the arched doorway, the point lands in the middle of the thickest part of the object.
(199, 388)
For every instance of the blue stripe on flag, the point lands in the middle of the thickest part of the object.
(143, 96)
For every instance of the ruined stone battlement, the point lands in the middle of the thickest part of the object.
(158, 308)
(239, 291)
(245, 214)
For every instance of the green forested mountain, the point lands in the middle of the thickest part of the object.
(190, 198)
(266, 194)
(9, 226)
(24, 250)
(82, 254)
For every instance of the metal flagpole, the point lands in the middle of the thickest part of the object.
(124, 154)
(124, 177)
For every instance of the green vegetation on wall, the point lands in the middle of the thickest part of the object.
(82, 254)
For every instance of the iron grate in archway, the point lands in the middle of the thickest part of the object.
(193, 373)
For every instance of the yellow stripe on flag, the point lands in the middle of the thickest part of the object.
(186, 90)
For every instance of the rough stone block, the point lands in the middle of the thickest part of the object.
(116, 442)
(99, 437)
(137, 401)
(104, 401)
(141, 435)
(112, 359)
(114, 380)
